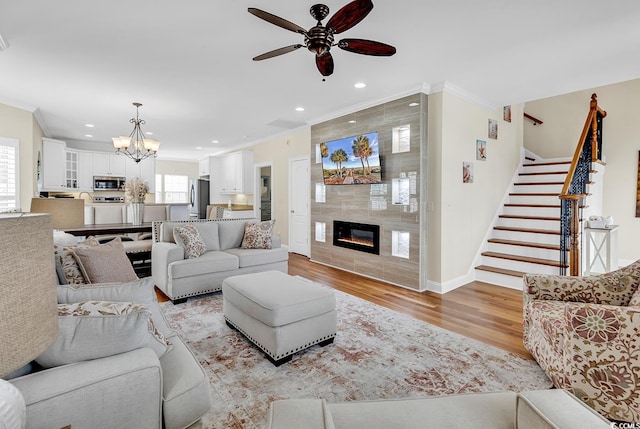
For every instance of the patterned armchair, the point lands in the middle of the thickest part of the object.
(585, 334)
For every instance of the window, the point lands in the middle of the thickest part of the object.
(9, 200)
(171, 188)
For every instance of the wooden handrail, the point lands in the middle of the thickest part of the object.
(535, 120)
(571, 201)
(591, 122)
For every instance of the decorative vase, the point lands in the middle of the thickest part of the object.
(137, 213)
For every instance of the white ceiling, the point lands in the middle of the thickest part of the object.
(189, 62)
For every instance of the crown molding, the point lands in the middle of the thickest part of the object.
(424, 88)
(459, 92)
(41, 122)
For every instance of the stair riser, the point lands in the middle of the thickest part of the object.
(542, 168)
(529, 223)
(511, 282)
(531, 252)
(527, 236)
(534, 199)
(524, 267)
(550, 189)
(533, 211)
(541, 177)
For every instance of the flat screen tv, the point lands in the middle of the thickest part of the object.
(352, 160)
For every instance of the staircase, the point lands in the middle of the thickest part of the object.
(526, 235)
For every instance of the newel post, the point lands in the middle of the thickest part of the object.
(574, 232)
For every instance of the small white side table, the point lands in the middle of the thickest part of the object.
(602, 250)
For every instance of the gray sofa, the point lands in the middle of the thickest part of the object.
(540, 409)
(133, 389)
(179, 277)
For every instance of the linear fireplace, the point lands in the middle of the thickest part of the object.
(357, 236)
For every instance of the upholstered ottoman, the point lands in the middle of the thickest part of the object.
(278, 313)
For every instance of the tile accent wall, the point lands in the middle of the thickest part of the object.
(400, 261)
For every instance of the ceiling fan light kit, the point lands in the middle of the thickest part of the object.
(320, 38)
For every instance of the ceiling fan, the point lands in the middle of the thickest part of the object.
(319, 39)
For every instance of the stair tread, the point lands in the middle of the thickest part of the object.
(500, 270)
(506, 216)
(524, 244)
(532, 205)
(531, 230)
(539, 261)
(534, 194)
(539, 173)
(537, 183)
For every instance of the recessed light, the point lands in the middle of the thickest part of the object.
(149, 133)
(352, 121)
(299, 109)
(414, 104)
(198, 147)
(89, 125)
(215, 141)
(88, 135)
(360, 85)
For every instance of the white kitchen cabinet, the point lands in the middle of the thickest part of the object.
(53, 165)
(85, 171)
(145, 170)
(108, 164)
(71, 170)
(204, 167)
(236, 173)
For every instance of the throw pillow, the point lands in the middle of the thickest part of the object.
(67, 267)
(257, 235)
(96, 329)
(189, 238)
(105, 263)
(139, 291)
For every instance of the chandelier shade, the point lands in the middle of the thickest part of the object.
(135, 145)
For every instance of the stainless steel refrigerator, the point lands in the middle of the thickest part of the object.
(198, 198)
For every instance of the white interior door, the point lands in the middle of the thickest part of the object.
(299, 206)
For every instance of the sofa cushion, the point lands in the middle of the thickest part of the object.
(209, 233)
(253, 257)
(139, 291)
(211, 262)
(257, 235)
(231, 233)
(105, 263)
(95, 329)
(189, 238)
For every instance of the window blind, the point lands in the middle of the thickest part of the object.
(8, 175)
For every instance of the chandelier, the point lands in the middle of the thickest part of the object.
(136, 146)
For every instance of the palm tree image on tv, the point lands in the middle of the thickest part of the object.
(352, 160)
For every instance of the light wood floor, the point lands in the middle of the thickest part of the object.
(485, 312)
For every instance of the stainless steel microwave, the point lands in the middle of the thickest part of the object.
(108, 183)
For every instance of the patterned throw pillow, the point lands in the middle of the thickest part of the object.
(67, 263)
(95, 329)
(257, 235)
(188, 237)
(635, 298)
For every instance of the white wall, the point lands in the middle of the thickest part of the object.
(465, 211)
(564, 117)
(21, 124)
(278, 151)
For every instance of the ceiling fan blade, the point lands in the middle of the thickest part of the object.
(277, 52)
(276, 20)
(349, 15)
(325, 64)
(367, 47)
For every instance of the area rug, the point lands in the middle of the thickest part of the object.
(377, 353)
